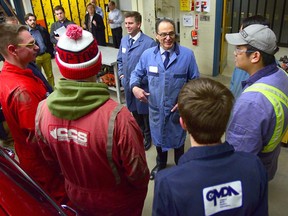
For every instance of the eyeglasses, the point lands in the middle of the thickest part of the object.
(165, 35)
(29, 45)
(239, 51)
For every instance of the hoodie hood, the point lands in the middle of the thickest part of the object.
(72, 100)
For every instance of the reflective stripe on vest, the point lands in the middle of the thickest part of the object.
(276, 98)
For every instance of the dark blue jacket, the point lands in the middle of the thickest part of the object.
(212, 180)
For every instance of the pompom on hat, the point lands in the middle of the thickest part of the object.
(77, 54)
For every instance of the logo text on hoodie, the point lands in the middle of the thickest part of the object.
(78, 136)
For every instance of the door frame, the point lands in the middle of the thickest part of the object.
(217, 37)
(222, 26)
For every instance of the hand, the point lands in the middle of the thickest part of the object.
(174, 108)
(140, 94)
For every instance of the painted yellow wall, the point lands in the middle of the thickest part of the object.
(74, 10)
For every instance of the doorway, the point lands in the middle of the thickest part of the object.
(222, 26)
(276, 11)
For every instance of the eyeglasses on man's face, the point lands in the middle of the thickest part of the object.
(28, 45)
(239, 51)
(165, 35)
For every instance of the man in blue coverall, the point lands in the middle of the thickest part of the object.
(210, 178)
(131, 48)
(168, 67)
(260, 115)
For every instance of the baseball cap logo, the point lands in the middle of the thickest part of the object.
(244, 33)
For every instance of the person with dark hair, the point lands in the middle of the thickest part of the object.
(131, 48)
(62, 22)
(80, 127)
(260, 115)
(46, 49)
(167, 67)
(210, 178)
(20, 93)
(240, 75)
(115, 20)
(93, 23)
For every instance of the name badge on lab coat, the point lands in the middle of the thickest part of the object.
(153, 69)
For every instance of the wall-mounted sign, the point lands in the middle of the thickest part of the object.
(184, 5)
(188, 20)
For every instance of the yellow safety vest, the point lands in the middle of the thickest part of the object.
(276, 98)
(285, 138)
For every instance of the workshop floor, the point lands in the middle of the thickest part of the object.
(278, 188)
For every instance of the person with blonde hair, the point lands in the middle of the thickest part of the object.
(93, 23)
(98, 9)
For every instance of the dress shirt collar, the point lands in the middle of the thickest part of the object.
(136, 37)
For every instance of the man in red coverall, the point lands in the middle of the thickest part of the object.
(20, 93)
(97, 143)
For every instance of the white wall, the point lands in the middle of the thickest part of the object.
(170, 8)
(205, 49)
(147, 9)
(27, 6)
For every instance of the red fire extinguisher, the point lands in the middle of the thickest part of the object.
(194, 36)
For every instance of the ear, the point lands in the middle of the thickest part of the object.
(157, 36)
(182, 123)
(139, 25)
(255, 57)
(11, 49)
